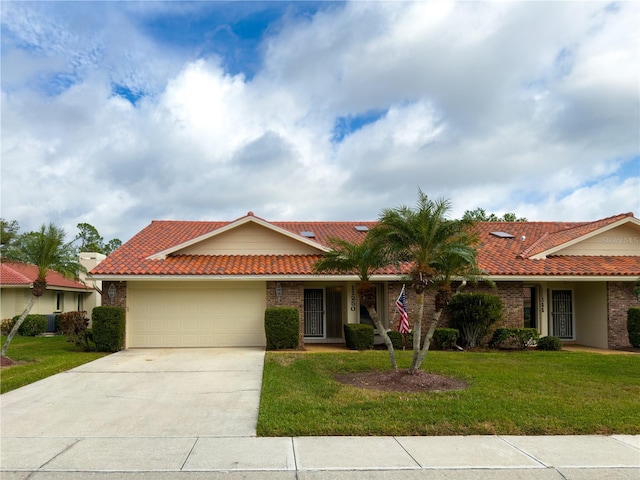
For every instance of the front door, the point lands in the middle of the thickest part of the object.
(314, 325)
(562, 313)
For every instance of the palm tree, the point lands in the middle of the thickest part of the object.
(437, 249)
(46, 250)
(362, 259)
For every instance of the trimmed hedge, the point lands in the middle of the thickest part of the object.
(549, 343)
(519, 338)
(445, 338)
(32, 326)
(397, 341)
(473, 314)
(358, 336)
(633, 326)
(108, 328)
(282, 327)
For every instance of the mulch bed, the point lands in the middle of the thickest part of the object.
(401, 381)
(7, 362)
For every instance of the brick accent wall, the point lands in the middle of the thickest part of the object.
(120, 299)
(511, 294)
(292, 296)
(620, 298)
(394, 293)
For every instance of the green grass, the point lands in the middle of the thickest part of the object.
(45, 356)
(514, 393)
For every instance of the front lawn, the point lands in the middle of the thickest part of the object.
(509, 393)
(40, 357)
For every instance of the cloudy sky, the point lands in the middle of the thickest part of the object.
(119, 113)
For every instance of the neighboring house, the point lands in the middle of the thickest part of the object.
(196, 284)
(62, 294)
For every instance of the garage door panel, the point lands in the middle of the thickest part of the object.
(195, 314)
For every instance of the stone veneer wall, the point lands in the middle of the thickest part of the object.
(120, 299)
(620, 298)
(292, 296)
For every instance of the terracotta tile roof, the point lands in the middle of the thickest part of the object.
(497, 256)
(563, 235)
(18, 274)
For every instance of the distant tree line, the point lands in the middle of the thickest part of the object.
(87, 240)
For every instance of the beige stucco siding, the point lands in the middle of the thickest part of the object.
(195, 314)
(14, 300)
(623, 240)
(591, 313)
(249, 239)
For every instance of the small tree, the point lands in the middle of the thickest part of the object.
(361, 259)
(437, 250)
(473, 314)
(47, 250)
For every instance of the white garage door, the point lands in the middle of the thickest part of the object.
(195, 314)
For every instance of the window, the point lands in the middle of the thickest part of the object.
(530, 310)
(59, 301)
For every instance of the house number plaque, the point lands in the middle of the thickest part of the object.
(353, 298)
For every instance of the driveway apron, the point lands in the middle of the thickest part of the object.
(201, 392)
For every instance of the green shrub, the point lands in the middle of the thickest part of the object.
(358, 336)
(445, 338)
(108, 328)
(32, 326)
(549, 343)
(473, 314)
(74, 326)
(397, 340)
(633, 326)
(519, 338)
(6, 325)
(282, 327)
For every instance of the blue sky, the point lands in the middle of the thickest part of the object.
(118, 113)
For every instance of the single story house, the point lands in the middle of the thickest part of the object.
(207, 284)
(62, 294)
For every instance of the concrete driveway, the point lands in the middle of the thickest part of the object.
(201, 392)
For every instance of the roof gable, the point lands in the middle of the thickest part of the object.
(248, 234)
(250, 238)
(590, 239)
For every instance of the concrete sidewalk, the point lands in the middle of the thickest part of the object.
(452, 458)
(190, 414)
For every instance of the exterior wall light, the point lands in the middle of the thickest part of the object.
(111, 292)
(278, 291)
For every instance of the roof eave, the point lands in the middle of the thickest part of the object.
(563, 278)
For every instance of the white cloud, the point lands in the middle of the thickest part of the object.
(525, 107)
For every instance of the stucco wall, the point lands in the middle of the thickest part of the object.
(591, 313)
(13, 301)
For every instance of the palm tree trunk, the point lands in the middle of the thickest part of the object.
(417, 332)
(420, 354)
(15, 328)
(427, 339)
(387, 341)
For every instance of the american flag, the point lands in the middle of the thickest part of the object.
(401, 306)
